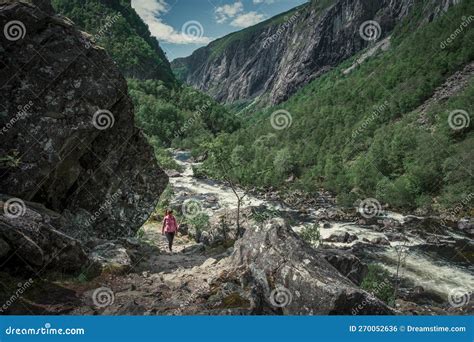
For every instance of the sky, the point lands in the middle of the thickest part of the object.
(182, 26)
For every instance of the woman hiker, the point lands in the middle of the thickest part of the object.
(170, 227)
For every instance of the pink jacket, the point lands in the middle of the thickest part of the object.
(170, 224)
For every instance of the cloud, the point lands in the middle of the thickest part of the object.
(247, 19)
(235, 12)
(263, 1)
(150, 12)
(225, 12)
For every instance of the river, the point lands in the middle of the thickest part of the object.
(421, 268)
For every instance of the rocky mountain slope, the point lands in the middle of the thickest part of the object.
(273, 59)
(391, 123)
(71, 157)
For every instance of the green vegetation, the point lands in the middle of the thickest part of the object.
(163, 203)
(378, 283)
(178, 117)
(13, 159)
(115, 26)
(311, 234)
(200, 223)
(264, 214)
(360, 135)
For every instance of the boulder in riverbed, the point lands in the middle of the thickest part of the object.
(341, 237)
(287, 276)
(379, 240)
(346, 263)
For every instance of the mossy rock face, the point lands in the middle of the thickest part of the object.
(234, 300)
(114, 268)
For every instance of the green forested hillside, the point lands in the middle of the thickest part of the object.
(181, 116)
(115, 25)
(361, 135)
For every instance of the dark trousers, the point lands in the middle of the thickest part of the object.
(170, 237)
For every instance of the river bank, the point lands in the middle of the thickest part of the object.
(436, 260)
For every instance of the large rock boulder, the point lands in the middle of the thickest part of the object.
(290, 277)
(347, 264)
(67, 126)
(29, 241)
(112, 258)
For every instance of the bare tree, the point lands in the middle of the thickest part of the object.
(240, 197)
(402, 253)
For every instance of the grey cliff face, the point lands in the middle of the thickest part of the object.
(271, 61)
(67, 127)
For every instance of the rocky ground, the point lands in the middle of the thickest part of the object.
(270, 271)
